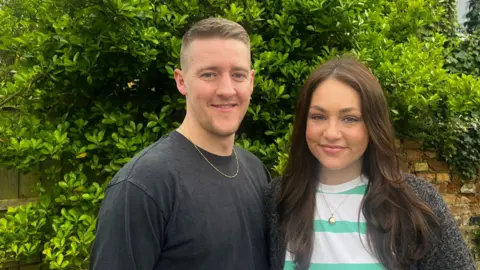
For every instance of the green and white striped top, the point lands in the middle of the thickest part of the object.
(342, 245)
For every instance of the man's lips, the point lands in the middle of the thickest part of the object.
(224, 107)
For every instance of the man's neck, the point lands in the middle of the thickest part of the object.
(218, 145)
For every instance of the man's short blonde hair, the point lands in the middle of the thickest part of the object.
(213, 28)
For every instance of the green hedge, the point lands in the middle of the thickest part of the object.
(91, 84)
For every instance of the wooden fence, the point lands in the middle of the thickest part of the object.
(34, 265)
(18, 189)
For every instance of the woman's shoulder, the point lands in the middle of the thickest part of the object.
(427, 192)
(419, 184)
(451, 252)
(272, 190)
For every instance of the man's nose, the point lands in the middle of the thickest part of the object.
(226, 87)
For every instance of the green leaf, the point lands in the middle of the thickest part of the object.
(100, 135)
(151, 124)
(63, 184)
(59, 258)
(169, 69)
(3, 223)
(76, 57)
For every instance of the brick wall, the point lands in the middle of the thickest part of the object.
(463, 199)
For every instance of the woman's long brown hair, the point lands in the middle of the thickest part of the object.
(400, 226)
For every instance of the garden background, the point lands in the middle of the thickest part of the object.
(86, 84)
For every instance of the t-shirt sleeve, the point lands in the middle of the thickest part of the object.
(129, 232)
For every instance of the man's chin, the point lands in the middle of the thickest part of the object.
(225, 132)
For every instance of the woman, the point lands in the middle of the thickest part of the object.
(343, 202)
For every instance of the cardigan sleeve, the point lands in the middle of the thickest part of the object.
(276, 248)
(450, 252)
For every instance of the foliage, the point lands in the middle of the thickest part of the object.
(21, 232)
(476, 242)
(465, 57)
(461, 132)
(90, 83)
(473, 16)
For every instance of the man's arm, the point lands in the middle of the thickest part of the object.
(129, 231)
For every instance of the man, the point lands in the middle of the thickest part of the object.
(193, 200)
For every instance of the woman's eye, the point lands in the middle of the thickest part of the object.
(351, 119)
(317, 117)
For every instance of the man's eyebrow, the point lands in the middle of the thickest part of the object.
(240, 69)
(344, 110)
(215, 68)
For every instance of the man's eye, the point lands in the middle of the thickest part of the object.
(239, 76)
(208, 75)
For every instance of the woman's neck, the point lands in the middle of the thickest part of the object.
(338, 177)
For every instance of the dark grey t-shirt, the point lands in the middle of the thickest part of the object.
(169, 209)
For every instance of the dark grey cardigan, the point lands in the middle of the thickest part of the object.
(451, 253)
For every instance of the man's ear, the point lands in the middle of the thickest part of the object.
(252, 78)
(180, 80)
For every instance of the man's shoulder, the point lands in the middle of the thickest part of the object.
(151, 173)
(252, 161)
(250, 158)
(247, 155)
(156, 161)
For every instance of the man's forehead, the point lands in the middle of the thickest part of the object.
(218, 46)
(218, 54)
(215, 40)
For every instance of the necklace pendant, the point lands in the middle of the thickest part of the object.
(331, 220)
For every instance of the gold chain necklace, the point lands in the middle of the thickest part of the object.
(213, 166)
(332, 219)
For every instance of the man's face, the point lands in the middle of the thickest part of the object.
(217, 82)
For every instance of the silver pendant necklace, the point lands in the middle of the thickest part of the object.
(332, 220)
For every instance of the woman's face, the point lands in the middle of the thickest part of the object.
(336, 133)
